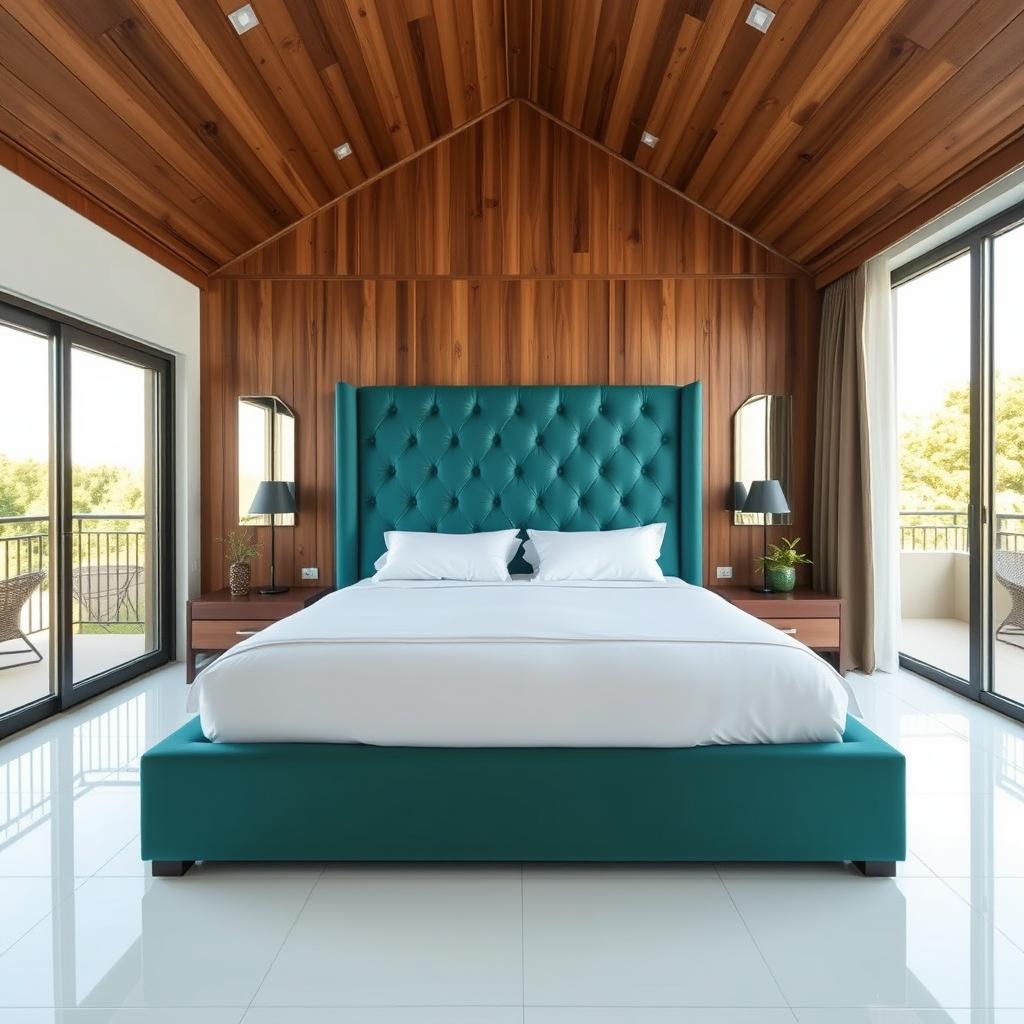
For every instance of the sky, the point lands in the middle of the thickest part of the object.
(107, 404)
(933, 326)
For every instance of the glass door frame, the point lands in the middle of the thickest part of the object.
(65, 333)
(978, 243)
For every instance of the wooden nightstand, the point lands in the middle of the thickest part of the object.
(814, 619)
(217, 621)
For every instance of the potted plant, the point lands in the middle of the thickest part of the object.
(240, 548)
(779, 565)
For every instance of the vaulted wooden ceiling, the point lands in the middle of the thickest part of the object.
(848, 121)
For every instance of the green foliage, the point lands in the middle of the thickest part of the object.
(239, 546)
(935, 457)
(106, 489)
(783, 555)
(22, 487)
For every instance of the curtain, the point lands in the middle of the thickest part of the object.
(842, 486)
(880, 366)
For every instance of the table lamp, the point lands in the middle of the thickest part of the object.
(273, 498)
(766, 498)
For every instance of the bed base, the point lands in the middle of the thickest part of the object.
(869, 868)
(335, 802)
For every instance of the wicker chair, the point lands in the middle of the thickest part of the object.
(14, 592)
(103, 591)
(1009, 570)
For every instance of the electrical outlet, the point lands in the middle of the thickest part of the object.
(723, 572)
(311, 573)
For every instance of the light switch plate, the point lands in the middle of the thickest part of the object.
(311, 573)
(723, 572)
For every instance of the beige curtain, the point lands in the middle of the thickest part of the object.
(842, 492)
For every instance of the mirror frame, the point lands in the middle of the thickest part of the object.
(740, 518)
(279, 407)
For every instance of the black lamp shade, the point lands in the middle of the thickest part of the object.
(273, 498)
(766, 497)
(736, 497)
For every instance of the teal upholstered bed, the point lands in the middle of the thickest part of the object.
(460, 459)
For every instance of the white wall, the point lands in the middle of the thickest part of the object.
(937, 585)
(59, 259)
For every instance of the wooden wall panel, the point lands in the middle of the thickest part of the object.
(513, 253)
(297, 338)
(515, 194)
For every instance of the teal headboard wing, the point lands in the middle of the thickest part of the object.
(346, 487)
(691, 484)
(463, 459)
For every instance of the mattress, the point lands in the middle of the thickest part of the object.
(521, 664)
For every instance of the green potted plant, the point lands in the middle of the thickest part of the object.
(240, 548)
(779, 565)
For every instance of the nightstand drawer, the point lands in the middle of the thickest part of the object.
(818, 633)
(220, 634)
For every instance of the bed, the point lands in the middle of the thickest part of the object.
(740, 779)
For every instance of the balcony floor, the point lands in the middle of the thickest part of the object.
(92, 653)
(945, 643)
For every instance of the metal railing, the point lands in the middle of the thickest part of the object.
(946, 530)
(104, 561)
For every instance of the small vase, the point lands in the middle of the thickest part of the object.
(781, 579)
(239, 578)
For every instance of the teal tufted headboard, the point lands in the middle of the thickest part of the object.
(462, 459)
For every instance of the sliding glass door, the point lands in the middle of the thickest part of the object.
(86, 522)
(1007, 621)
(934, 403)
(27, 525)
(959, 324)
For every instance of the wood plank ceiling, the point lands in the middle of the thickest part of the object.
(847, 121)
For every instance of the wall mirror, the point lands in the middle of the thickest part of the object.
(266, 451)
(762, 449)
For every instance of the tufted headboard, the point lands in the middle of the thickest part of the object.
(461, 459)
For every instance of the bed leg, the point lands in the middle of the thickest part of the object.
(876, 868)
(171, 868)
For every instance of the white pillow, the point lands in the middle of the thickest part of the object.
(479, 557)
(630, 554)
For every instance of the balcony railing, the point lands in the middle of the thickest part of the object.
(946, 530)
(106, 557)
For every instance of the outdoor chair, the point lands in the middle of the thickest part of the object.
(1009, 570)
(14, 594)
(103, 592)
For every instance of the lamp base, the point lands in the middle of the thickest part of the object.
(274, 590)
(764, 589)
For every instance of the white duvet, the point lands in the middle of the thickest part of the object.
(521, 664)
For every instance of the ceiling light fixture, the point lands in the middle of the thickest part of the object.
(649, 140)
(342, 151)
(243, 19)
(760, 17)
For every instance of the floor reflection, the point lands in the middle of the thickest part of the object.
(83, 924)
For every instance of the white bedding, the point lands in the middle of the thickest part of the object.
(522, 664)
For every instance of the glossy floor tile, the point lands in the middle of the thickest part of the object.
(638, 936)
(432, 935)
(87, 936)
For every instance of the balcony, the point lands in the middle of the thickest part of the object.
(935, 594)
(110, 594)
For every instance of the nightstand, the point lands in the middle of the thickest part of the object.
(812, 618)
(217, 621)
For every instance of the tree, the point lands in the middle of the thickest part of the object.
(935, 456)
(23, 487)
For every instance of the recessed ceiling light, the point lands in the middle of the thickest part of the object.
(342, 151)
(649, 140)
(760, 17)
(244, 19)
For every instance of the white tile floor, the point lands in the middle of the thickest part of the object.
(86, 936)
